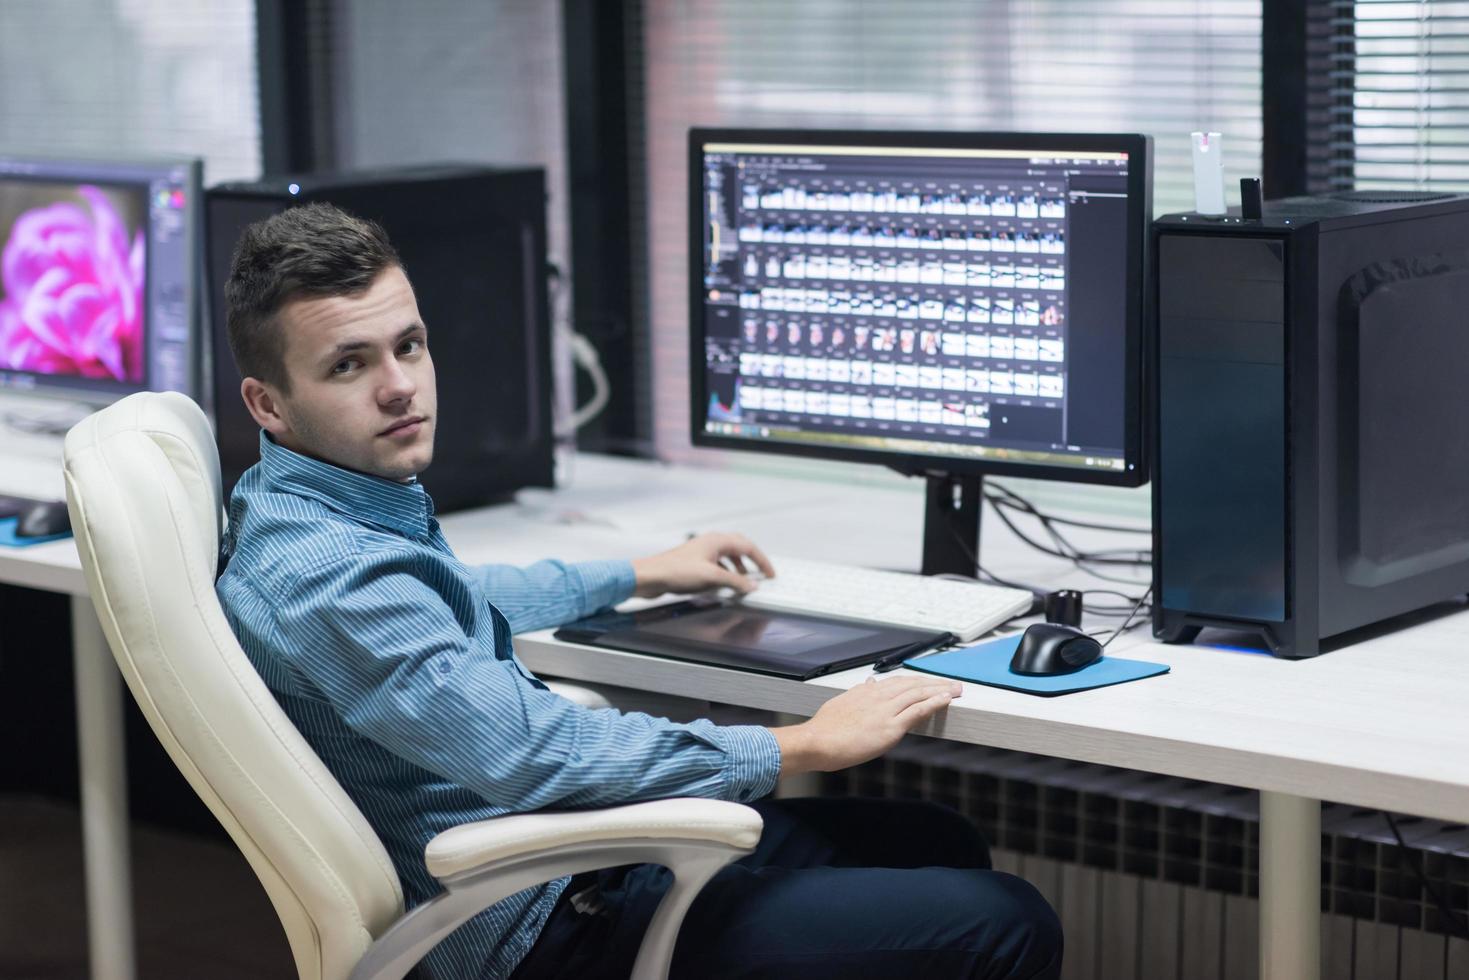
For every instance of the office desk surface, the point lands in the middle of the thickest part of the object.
(1380, 723)
(52, 567)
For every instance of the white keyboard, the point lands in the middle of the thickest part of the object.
(30, 463)
(966, 609)
(36, 477)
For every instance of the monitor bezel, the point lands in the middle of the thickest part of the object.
(121, 170)
(1135, 471)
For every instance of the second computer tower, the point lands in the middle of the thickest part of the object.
(473, 242)
(1312, 368)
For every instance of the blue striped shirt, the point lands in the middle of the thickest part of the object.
(390, 657)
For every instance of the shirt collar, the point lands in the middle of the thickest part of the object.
(402, 507)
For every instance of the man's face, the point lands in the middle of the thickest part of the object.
(362, 382)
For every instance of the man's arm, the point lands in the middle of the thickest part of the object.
(550, 593)
(389, 654)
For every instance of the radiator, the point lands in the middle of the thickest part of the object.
(1154, 877)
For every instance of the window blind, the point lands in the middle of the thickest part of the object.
(1162, 67)
(103, 78)
(1408, 124)
(447, 81)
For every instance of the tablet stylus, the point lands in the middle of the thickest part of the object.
(894, 660)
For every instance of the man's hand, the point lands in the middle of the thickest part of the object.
(703, 562)
(862, 723)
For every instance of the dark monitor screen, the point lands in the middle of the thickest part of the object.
(970, 303)
(98, 263)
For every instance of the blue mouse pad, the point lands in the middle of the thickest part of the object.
(989, 663)
(8, 538)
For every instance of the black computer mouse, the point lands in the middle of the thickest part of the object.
(1050, 649)
(43, 520)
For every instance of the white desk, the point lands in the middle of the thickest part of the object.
(1378, 724)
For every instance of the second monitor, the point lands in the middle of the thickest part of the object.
(98, 265)
(948, 304)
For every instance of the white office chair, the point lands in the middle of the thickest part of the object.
(143, 487)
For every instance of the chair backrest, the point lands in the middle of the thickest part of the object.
(143, 487)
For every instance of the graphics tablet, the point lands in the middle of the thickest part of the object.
(722, 633)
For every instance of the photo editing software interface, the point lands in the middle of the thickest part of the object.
(97, 260)
(960, 303)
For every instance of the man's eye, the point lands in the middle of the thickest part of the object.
(342, 367)
(411, 346)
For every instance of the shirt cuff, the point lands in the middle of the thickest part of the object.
(754, 762)
(605, 583)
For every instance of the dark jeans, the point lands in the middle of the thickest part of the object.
(838, 888)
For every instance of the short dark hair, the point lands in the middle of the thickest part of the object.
(314, 250)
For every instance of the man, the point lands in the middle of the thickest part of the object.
(396, 663)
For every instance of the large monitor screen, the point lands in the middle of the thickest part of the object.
(957, 302)
(97, 269)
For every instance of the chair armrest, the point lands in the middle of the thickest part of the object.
(463, 849)
(485, 862)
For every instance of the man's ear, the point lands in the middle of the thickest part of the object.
(265, 406)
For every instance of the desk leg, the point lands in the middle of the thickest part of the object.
(1290, 887)
(104, 798)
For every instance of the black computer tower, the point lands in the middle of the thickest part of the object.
(473, 242)
(1312, 436)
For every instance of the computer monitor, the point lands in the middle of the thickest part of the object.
(98, 269)
(952, 305)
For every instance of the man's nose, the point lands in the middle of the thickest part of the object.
(397, 385)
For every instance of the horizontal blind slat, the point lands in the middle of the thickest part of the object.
(1405, 117)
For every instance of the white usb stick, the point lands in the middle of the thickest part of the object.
(1208, 173)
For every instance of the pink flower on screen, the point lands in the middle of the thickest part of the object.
(71, 292)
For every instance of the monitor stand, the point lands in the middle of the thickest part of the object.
(951, 524)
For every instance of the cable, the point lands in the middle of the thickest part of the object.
(1069, 521)
(1110, 612)
(1444, 909)
(1121, 595)
(1067, 551)
(1040, 594)
(1116, 580)
(587, 358)
(1003, 497)
(1081, 560)
(983, 572)
(583, 354)
(1127, 623)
